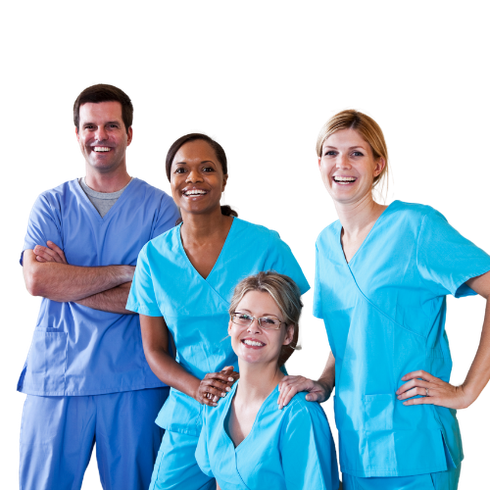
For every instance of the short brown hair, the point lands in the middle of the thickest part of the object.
(285, 292)
(104, 93)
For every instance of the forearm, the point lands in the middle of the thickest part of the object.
(171, 372)
(113, 300)
(327, 377)
(64, 282)
(479, 373)
(156, 337)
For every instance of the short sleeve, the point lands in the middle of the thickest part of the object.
(167, 216)
(202, 456)
(141, 297)
(307, 451)
(44, 224)
(445, 259)
(283, 261)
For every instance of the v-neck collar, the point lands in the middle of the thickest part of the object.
(93, 209)
(221, 253)
(227, 412)
(379, 220)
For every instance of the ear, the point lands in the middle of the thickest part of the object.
(77, 135)
(289, 335)
(230, 324)
(225, 180)
(319, 162)
(130, 135)
(380, 165)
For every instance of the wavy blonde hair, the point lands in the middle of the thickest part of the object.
(366, 126)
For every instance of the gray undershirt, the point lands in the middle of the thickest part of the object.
(102, 201)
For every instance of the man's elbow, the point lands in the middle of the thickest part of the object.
(32, 275)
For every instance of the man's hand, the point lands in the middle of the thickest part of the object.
(51, 253)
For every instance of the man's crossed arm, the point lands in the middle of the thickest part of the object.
(48, 274)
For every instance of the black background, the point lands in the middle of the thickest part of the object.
(438, 153)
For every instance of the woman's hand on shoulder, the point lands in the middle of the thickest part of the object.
(433, 391)
(215, 386)
(290, 385)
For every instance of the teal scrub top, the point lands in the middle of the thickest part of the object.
(77, 350)
(384, 312)
(196, 309)
(290, 448)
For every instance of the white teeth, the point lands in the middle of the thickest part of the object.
(253, 343)
(344, 179)
(101, 148)
(195, 192)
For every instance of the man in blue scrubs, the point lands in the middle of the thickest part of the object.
(86, 377)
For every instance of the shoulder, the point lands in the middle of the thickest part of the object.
(329, 233)
(55, 198)
(258, 231)
(162, 244)
(411, 212)
(140, 186)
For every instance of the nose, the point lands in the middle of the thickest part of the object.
(101, 133)
(194, 176)
(342, 161)
(254, 327)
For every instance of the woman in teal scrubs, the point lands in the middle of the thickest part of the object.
(182, 287)
(246, 442)
(382, 276)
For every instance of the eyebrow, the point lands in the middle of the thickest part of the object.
(350, 147)
(203, 161)
(248, 311)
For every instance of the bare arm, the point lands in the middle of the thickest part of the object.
(113, 300)
(47, 274)
(437, 392)
(155, 335)
(319, 391)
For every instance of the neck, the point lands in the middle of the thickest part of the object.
(199, 227)
(107, 182)
(257, 381)
(355, 217)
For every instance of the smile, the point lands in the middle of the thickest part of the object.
(101, 148)
(344, 180)
(253, 343)
(194, 192)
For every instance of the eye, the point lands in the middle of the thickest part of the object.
(243, 316)
(114, 126)
(357, 154)
(208, 169)
(269, 321)
(330, 153)
(179, 170)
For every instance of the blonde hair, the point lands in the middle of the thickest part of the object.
(285, 292)
(368, 129)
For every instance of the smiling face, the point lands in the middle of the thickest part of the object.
(348, 167)
(102, 136)
(254, 344)
(197, 178)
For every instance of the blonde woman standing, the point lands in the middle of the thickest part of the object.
(382, 276)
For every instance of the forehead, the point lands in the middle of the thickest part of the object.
(101, 111)
(346, 138)
(195, 151)
(259, 303)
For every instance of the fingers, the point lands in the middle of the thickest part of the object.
(51, 253)
(420, 374)
(414, 383)
(289, 386)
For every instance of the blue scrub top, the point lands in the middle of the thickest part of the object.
(196, 309)
(384, 312)
(290, 448)
(77, 350)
